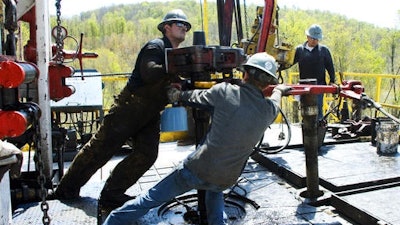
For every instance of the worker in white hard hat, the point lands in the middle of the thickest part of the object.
(239, 116)
(314, 60)
(134, 116)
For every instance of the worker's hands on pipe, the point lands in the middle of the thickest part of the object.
(335, 85)
(284, 89)
(173, 93)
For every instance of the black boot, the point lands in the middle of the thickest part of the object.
(62, 194)
(107, 203)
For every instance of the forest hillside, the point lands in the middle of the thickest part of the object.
(118, 32)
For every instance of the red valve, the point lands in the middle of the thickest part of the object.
(13, 74)
(58, 88)
(13, 124)
(79, 55)
(68, 54)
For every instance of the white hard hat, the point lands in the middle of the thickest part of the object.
(314, 31)
(176, 15)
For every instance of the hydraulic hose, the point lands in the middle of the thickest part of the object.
(275, 149)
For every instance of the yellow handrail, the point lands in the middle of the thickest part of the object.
(374, 89)
(378, 84)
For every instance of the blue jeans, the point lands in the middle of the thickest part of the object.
(181, 180)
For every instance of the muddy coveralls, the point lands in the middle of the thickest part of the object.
(135, 114)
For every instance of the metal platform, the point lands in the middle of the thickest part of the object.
(358, 184)
(361, 182)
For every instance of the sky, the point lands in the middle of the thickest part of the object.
(383, 13)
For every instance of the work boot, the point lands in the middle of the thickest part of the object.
(106, 204)
(64, 194)
(113, 202)
(102, 213)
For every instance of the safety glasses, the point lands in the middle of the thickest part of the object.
(179, 24)
(314, 39)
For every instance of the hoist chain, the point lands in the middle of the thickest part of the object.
(59, 58)
(41, 178)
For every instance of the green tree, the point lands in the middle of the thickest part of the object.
(123, 29)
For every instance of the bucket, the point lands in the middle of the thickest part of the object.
(387, 136)
(174, 119)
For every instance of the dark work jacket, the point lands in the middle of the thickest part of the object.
(313, 64)
(149, 78)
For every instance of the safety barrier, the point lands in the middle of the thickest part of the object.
(377, 86)
(382, 88)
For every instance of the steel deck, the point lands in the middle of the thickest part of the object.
(360, 187)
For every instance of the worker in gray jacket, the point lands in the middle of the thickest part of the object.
(240, 115)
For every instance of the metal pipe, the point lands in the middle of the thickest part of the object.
(309, 112)
(13, 74)
(201, 118)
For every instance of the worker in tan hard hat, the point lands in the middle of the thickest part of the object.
(135, 115)
(240, 115)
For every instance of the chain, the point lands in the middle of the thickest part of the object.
(59, 39)
(41, 178)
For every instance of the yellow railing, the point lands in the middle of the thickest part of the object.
(377, 87)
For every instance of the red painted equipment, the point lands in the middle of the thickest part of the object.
(15, 122)
(267, 27)
(57, 73)
(349, 89)
(58, 88)
(13, 74)
(76, 55)
(196, 62)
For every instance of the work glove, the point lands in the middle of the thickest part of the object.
(173, 94)
(10, 159)
(284, 89)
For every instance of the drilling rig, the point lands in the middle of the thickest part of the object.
(31, 81)
(31, 77)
